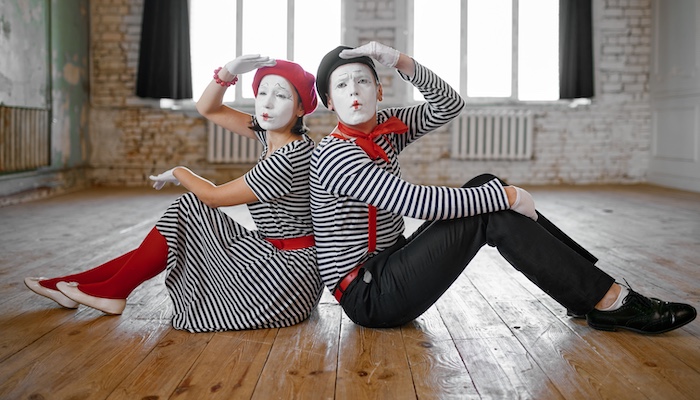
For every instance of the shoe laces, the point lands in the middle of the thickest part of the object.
(637, 296)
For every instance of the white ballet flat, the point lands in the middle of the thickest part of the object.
(33, 285)
(107, 306)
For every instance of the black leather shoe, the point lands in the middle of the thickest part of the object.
(572, 314)
(642, 314)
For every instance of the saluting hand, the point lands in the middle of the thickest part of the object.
(247, 63)
(384, 54)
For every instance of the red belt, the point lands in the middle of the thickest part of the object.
(345, 282)
(296, 243)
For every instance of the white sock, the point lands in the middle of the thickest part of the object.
(618, 302)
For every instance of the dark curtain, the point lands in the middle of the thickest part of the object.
(164, 58)
(575, 49)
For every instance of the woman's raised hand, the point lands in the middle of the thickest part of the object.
(247, 63)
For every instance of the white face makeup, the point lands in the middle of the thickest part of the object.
(353, 93)
(274, 104)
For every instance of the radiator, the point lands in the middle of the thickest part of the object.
(225, 146)
(492, 135)
(24, 139)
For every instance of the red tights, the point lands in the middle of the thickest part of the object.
(117, 278)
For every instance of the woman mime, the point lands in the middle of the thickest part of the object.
(220, 275)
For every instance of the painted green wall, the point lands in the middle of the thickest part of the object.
(58, 65)
(70, 79)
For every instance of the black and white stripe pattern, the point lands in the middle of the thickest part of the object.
(344, 180)
(222, 276)
(281, 183)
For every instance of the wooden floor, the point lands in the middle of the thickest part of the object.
(493, 335)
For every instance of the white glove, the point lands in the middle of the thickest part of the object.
(160, 180)
(247, 63)
(524, 204)
(384, 54)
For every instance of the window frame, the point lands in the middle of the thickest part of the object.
(464, 73)
(240, 102)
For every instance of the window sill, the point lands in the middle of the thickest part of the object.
(570, 103)
(189, 108)
(500, 103)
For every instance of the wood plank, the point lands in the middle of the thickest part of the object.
(576, 368)
(625, 366)
(303, 360)
(501, 368)
(653, 279)
(662, 364)
(497, 362)
(19, 331)
(467, 314)
(85, 358)
(229, 367)
(436, 365)
(119, 353)
(372, 364)
(162, 371)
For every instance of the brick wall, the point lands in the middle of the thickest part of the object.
(604, 142)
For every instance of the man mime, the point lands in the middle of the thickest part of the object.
(358, 201)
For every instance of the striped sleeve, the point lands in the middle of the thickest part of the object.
(442, 104)
(348, 172)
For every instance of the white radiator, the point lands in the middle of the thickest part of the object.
(227, 147)
(492, 135)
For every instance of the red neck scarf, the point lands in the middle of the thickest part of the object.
(366, 140)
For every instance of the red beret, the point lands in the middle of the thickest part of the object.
(302, 81)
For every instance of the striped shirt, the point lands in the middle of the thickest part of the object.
(222, 276)
(344, 180)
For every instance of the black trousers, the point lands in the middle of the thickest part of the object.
(402, 282)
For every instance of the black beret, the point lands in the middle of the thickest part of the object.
(329, 63)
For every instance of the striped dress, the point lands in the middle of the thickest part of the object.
(222, 276)
(344, 180)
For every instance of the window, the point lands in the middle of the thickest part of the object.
(491, 49)
(221, 30)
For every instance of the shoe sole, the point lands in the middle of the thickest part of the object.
(615, 328)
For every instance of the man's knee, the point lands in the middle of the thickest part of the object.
(482, 179)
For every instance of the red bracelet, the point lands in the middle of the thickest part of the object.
(224, 83)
